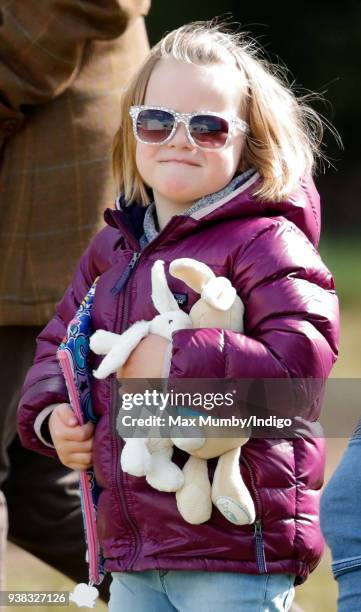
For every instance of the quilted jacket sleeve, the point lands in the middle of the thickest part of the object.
(44, 384)
(291, 320)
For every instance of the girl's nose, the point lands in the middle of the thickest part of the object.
(180, 138)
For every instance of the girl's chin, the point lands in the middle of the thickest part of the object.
(180, 196)
(179, 188)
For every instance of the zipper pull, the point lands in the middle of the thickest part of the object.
(259, 547)
(124, 277)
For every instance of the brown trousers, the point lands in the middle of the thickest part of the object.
(42, 506)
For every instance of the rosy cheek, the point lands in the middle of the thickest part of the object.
(140, 153)
(145, 154)
(217, 161)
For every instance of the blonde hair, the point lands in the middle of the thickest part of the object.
(285, 132)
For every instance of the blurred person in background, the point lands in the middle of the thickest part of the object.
(340, 522)
(63, 65)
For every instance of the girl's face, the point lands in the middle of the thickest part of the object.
(178, 172)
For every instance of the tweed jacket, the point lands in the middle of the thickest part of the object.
(62, 69)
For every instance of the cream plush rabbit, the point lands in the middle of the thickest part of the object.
(218, 306)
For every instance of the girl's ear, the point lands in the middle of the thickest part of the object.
(162, 297)
(195, 274)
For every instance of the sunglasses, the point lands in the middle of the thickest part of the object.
(156, 125)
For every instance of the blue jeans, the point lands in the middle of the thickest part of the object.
(196, 591)
(341, 524)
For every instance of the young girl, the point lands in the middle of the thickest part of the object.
(213, 157)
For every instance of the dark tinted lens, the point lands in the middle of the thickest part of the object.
(154, 126)
(209, 131)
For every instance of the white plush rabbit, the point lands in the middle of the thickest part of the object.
(149, 457)
(117, 348)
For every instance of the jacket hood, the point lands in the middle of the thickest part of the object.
(302, 208)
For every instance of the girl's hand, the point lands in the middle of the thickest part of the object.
(73, 442)
(147, 359)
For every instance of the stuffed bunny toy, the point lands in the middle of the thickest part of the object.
(150, 456)
(218, 306)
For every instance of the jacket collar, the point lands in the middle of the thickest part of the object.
(302, 208)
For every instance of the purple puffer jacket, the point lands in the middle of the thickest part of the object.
(291, 330)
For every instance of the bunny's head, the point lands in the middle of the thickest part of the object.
(219, 304)
(171, 317)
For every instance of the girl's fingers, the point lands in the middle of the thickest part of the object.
(75, 446)
(66, 415)
(80, 433)
(79, 461)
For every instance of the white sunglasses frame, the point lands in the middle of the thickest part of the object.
(234, 123)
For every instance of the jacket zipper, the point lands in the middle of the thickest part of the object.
(134, 260)
(116, 290)
(257, 534)
(118, 483)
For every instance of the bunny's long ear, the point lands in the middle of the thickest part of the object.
(162, 297)
(195, 274)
